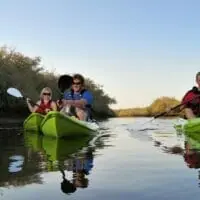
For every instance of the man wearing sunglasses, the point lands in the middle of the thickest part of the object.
(78, 100)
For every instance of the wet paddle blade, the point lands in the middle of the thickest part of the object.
(14, 92)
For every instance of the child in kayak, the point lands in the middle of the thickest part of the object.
(77, 101)
(192, 100)
(45, 103)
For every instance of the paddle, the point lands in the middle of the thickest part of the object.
(173, 108)
(16, 93)
(65, 82)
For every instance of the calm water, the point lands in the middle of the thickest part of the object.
(119, 163)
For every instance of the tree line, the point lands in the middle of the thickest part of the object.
(159, 105)
(29, 76)
(26, 74)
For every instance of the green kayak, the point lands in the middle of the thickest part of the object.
(33, 121)
(56, 124)
(188, 126)
(193, 140)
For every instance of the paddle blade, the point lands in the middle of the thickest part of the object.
(14, 92)
(65, 82)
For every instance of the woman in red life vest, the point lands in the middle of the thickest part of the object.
(191, 100)
(45, 102)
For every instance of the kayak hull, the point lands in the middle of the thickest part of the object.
(33, 121)
(188, 126)
(56, 124)
(193, 140)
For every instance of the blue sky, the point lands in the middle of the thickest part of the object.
(138, 50)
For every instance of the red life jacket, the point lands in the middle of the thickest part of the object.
(192, 100)
(43, 106)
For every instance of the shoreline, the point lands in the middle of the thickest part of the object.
(12, 120)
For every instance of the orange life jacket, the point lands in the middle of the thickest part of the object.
(43, 106)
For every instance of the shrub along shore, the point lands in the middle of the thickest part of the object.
(158, 106)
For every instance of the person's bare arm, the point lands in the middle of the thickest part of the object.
(30, 107)
(53, 106)
(36, 107)
(76, 103)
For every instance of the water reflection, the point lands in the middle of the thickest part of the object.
(80, 166)
(15, 168)
(24, 157)
(190, 150)
(64, 155)
(16, 163)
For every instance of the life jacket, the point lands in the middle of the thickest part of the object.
(78, 97)
(192, 100)
(43, 106)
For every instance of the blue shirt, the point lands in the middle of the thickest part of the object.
(78, 96)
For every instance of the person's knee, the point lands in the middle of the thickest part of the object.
(81, 113)
(189, 113)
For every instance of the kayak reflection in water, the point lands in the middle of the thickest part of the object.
(190, 151)
(46, 104)
(80, 166)
(192, 100)
(191, 156)
(78, 100)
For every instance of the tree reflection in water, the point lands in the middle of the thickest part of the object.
(15, 169)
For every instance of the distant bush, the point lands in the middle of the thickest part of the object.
(160, 105)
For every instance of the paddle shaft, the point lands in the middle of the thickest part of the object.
(16, 93)
(175, 107)
(166, 112)
(32, 102)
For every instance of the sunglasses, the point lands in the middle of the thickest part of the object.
(76, 83)
(46, 94)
